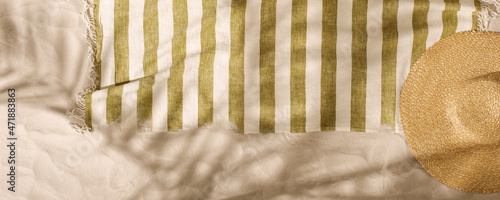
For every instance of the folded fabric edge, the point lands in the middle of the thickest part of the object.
(77, 115)
(489, 11)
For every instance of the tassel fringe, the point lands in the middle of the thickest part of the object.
(77, 115)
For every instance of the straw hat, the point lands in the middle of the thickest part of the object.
(450, 110)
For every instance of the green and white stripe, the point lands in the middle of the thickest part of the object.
(313, 66)
(105, 26)
(328, 65)
(236, 108)
(412, 33)
(387, 74)
(264, 65)
(344, 66)
(283, 60)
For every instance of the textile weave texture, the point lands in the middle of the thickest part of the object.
(266, 65)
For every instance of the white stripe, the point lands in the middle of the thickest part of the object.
(405, 45)
(129, 103)
(435, 22)
(160, 94)
(165, 35)
(251, 68)
(374, 71)
(313, 65)
(160, 99)
(136, 39)
(107, 11)
(99, 107)
(344, 66)
(221, 61)
(282, 74)
(467, 7)
(192, 63)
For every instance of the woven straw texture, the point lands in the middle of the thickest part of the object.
(450, 110)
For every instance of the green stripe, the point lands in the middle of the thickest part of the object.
(389, 61)
(114, 103)
(420, 28)
(266, 70)
(298, 67)
(450, 18)
(175, 81)
(207, 56)
(328, 65)
(475, 21)
(236, 65)
(359, 65)
(150, 65)
(98, 45)
(151, 37)
(88, 110)
(121, 41)
(145, 102)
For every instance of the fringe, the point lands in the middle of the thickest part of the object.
(77, 115)
(490, 9)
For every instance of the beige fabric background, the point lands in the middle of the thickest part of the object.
(43, 55)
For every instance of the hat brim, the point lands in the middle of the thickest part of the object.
(454, 156)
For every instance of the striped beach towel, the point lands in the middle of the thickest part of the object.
(264, 65)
